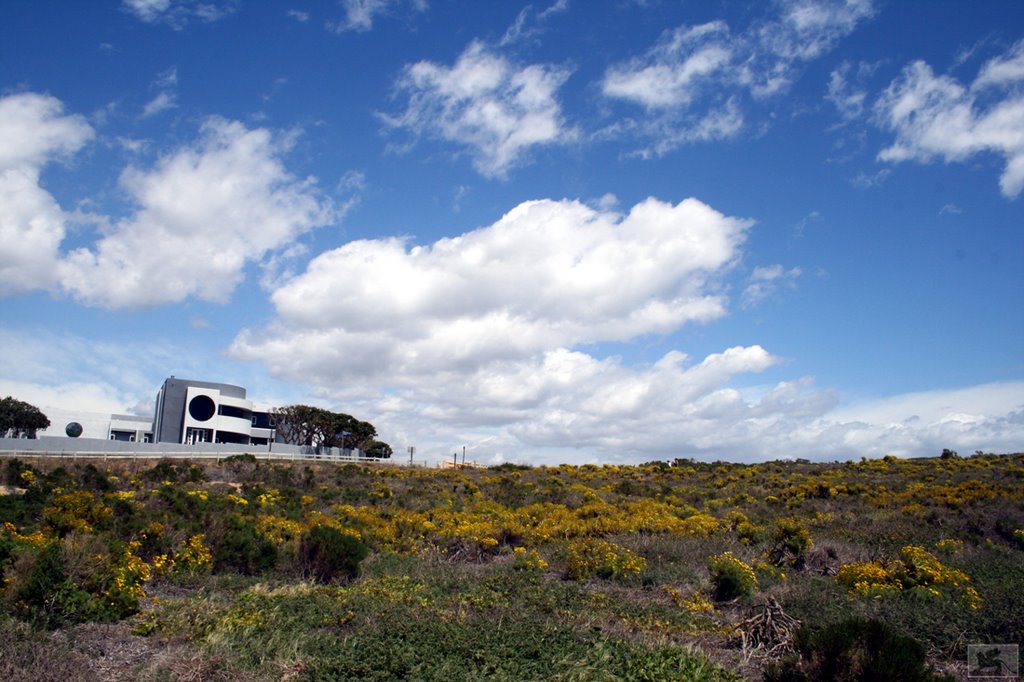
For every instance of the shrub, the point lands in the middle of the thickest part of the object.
(731, 577)
(790, 541)
(528, 560)
(591, 556)
(327, 554)
(917, 571)
(241, 548)
(852, 650)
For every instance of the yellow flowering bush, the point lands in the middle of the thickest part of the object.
(36, 539)
(78, 511)
(595, 557)
(268, 498)
(126, 575)
(917, 571)
(731, 577)
(528, 560)
(193, 556)
(698, 602)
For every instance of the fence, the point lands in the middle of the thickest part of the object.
(73, 448)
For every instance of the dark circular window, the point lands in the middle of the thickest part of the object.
(74, 430)
(201, 408)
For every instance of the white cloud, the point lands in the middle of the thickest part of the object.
(808, 29)
(1003, 70)
(673, 72)
(147, 10)
(177, 13)
(867, 181)
(34, 131)
(936, 116)
(529, 23)
(484, 333)
(298, 15)
(162, 102)
(203, 212)
(165, 83)
(689, 82)
(766, 281)
(496, 109)
(849, 98)
(360, 14)
(547, 275)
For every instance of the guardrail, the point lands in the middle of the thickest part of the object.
(191, 454)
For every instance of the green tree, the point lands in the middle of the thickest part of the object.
(19, 419)
(319, 428)
(378, 449)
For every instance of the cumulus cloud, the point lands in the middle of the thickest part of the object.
(487, 336)
(177, 13)
(689, 82)
(204, 211)
(498, 110)
(34, 131)
(549, 274)
(937, 116)
(360, 14)
(200, 215)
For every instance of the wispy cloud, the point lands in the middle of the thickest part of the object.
(360, 15)
(691, 81)
(177, 13)
(530, 23)
(166, 97)
(765, 283)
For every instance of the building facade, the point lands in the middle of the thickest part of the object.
(190, 412)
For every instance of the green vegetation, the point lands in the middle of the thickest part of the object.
(250, 570)
(320, 428)
(19, 419)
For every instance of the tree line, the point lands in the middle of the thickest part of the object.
(319, 428)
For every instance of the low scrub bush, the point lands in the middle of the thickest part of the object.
(243, 549)
(595, 557)
(853, 650)
(731, 577)
(327, 555)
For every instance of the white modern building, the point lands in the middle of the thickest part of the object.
(191, 412)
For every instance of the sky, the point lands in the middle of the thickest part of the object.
(602, 231)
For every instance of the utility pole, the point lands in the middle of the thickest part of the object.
(412, 451)
(463, 455)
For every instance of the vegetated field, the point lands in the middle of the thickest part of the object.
(245, 570)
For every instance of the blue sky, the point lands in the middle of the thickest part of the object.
(553, 232)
